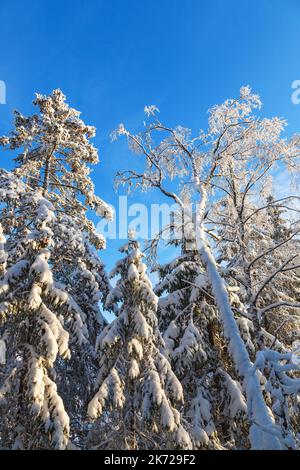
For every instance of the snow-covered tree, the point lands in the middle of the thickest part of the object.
(137, 391)
(200, 165)
(55, 155)
(215, 410)
(284, 286)
(260, 251)
(54, 162)
(32, 410)
(204, 360)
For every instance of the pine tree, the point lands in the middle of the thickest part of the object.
(55, 154)
(136, 384)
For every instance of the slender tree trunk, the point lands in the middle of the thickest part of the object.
(129, 420)
(47, 171)
(46, 176)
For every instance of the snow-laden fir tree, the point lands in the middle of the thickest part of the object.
(215, 410)
(54, 161)
(138, 395)
(176, 162)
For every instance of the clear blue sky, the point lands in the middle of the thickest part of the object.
(112, 57)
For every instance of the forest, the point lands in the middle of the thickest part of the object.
(205, 357)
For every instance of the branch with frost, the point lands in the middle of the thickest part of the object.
(212, 234)
(270, 250)
(291, 268)
(126, 177)
(282, 268)
(274, 342)
(272, 203)
(198, 287)
(263, 310)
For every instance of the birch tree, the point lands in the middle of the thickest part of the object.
(261, 250)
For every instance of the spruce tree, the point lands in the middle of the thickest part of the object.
(137, 394)
(215, 409)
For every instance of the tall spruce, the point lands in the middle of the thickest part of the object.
(137, 394)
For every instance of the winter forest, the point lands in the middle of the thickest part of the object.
(205, 359)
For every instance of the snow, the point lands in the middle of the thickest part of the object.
(200, 283)
(133, 274)
(134, 347)
(34, 298)
(2, 352)
(183, 438)
(148, 294)
(151, 110)
(141, 326)
(3, 255)
(154, 390)
(59, 418)
(111, 336)
(190, 344)
(95, 406)
(111, 384)
(167, 416)
(134, 370)
(237, 400)
(203, 425)
(171, 333)
(41, 268)
(200, 436)
(57, 333)
(174, 386)
(49, 342)
(104, 210)
(13, 273)
(35, 378)
(246, 327)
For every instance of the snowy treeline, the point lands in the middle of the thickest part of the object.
(206, 358)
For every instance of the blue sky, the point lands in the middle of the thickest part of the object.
(112, 57)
